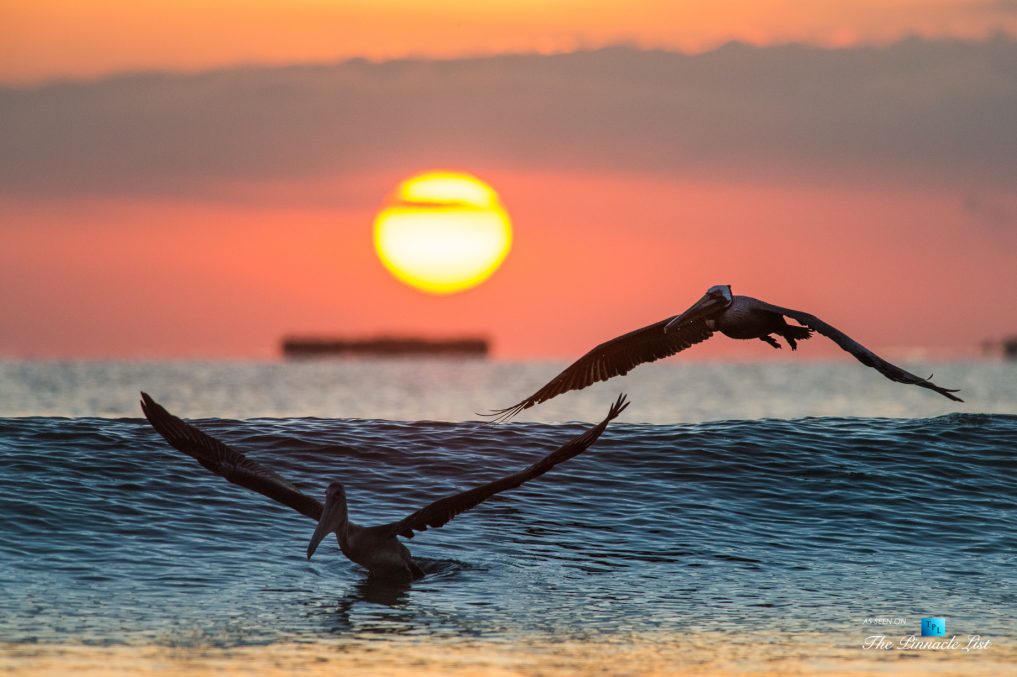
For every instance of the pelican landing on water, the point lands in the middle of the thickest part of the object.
(739, 317)
(376, 548)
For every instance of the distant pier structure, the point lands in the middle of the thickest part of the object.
(1009, 346)
(1006, 347)
(303, 347)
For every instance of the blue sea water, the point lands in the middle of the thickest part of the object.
(790, 524)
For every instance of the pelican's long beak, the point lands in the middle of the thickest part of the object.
(705, 306)
(332, 517)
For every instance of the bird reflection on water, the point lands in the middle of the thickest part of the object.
(353, 614)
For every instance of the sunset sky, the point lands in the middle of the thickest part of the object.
(47, 39)
(197, 179)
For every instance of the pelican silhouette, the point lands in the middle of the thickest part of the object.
(375, 548)
(739, 317)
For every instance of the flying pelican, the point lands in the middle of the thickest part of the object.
(739, 317)
(375, 548)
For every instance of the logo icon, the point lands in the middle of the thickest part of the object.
(933, 627)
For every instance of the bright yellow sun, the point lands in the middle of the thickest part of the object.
(443, 232)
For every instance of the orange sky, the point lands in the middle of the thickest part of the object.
(45, 39)
(208, 214)
(595, 255)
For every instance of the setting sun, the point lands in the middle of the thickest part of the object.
(443, 232)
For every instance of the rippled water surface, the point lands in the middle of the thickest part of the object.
(809, 524)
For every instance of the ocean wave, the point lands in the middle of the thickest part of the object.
(108, 532)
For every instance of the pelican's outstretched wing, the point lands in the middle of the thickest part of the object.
(441, 511)
(614, 358)
(863, 354)
(225, 461)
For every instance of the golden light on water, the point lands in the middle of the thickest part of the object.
(443, 232)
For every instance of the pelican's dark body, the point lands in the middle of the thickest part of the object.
(746, 319)
(385, 557)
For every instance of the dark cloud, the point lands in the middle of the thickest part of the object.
(1005, 7)
(917, 110)
(994, 210)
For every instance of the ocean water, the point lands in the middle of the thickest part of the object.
(728, 524)
(455, 390)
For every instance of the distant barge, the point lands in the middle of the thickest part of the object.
(1010, 348)
(383, 346)
(1006, 347)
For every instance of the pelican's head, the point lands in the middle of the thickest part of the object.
(717, 298)
(333, 516)
(721, 291)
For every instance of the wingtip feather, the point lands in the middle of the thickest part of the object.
(620, 405)
(152, 409)
(147, 405)
(503, 415)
